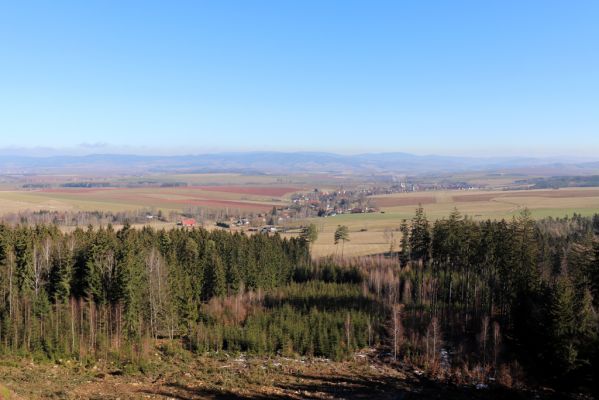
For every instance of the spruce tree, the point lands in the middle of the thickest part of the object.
(61, 273)
(404, 244)
(563, 322)
(24, 261)
(214, 278)
(420, 237)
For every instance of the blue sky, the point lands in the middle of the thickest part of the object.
(446, 77)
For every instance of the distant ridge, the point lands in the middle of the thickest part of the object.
(289, 163)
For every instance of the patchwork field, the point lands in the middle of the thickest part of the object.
(242, 198)
(367, 231)
(493, 204)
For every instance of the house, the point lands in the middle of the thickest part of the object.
(188, 222)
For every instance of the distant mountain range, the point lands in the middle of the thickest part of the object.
(292, 162)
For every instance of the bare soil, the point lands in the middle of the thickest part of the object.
(237, 377)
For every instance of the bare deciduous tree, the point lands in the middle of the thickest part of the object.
(397, 328)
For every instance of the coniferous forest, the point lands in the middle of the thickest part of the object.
(501, 301)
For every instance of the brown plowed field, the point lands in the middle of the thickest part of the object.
(247, 198)
(248, 190)
(79, 190)
(251, 190)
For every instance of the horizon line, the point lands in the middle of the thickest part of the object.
(110, 150)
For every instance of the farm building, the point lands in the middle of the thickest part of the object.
(188, 222)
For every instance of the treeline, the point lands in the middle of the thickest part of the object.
(495, 293)
(86, 185)
(140, 216)
(85, 218)
(95, 292)
(556, 182)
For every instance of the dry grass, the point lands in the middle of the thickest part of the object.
(216, 376)
(229, 376)
(394, 201)
(363, 240)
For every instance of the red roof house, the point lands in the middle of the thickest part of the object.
(188, 222)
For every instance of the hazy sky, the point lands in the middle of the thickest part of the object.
(449, 77)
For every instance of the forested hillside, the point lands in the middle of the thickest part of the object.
(93, 290)
(502, 302)
(504, 298)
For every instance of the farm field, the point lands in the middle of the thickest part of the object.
(493, 204)
(236, 179)
(234, 197)
(367, 231)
